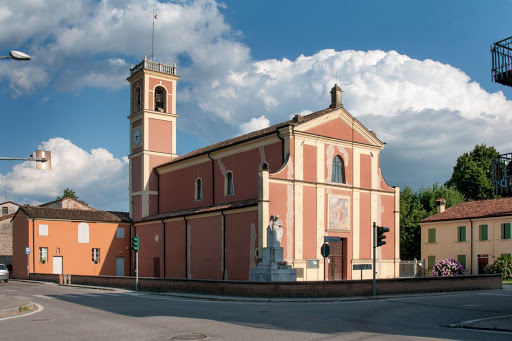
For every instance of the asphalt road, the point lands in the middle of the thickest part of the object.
(71, 313)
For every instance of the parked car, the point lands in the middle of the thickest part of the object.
(4, 273)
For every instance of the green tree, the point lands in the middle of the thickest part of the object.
(69, 193)
(416, 206)
(472, 174)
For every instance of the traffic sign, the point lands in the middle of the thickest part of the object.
(325, 250)
(328, 239)
(27, 251)
(361, 266)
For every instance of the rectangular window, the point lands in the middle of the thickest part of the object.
(505, 231)
(483, 233)
(431, 262)
(462, 260)
(5, 210)
(431, 235)
(461, 233)
(95, 256)
(43, 255)
(43, 230)
(120, 232)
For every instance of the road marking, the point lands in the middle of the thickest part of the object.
(494, 294)
(44, 296)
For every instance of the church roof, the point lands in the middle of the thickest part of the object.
(474, 209)
(74, 214)
(295, 121)
(202, 210)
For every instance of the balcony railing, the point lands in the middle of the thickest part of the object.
(502, 61)
(159, 67)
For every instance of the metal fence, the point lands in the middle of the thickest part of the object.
(411, 268)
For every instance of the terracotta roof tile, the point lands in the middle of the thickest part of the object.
(297, 120)
(74, 214)
(474, 209)
(7, 216)
(200, 210)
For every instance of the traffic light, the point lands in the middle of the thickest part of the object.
(135, 243)
(381, 236)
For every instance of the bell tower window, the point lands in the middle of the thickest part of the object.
(160, 95)
(136, 100)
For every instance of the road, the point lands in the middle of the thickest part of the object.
(73, 313)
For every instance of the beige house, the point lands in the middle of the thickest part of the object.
(475, 233)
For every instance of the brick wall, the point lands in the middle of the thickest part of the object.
(290, 289)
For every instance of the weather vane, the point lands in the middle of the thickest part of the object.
(155, 16)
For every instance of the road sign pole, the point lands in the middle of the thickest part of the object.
(137, 271)
(374, 254)
(324, 269)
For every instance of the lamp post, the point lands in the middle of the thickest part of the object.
(16, 55)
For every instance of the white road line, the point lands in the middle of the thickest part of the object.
(489, 294)
(44, 296)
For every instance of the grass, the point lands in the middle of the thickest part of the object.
(507, 281)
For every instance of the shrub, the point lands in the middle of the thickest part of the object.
(502, 265)
(448, 267)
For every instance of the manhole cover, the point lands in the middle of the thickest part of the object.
(189, 337)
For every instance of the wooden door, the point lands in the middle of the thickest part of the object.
(336, 262)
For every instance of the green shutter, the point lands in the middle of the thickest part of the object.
(505, 231)
(461, 234)
(462, 260)
(483, 232)
(431, 262)
(431, 235)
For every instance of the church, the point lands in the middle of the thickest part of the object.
(203, 215)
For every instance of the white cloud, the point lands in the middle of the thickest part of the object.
(96, 176)
(254, 124)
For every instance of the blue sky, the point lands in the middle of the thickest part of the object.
(416, 72)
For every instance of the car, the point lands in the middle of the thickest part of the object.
(4, 273)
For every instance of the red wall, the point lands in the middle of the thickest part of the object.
(176, 251)
(205, 245)
(241, 243)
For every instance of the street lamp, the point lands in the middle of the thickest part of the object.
(16, 55)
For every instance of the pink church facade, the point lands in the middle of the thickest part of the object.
(204, 215)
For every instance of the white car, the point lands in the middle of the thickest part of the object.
(4, 273)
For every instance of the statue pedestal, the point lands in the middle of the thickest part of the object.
(271, 267)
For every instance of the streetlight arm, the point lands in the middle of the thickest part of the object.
(24, 159)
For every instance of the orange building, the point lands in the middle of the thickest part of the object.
(78, 240)
(204, 215)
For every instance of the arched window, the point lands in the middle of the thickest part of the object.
(338, 170)
(136, 100)
(229, 183)
(199, 190)
(160, 99)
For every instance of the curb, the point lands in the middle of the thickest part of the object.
(26, 308)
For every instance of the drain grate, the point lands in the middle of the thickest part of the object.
(189, 337)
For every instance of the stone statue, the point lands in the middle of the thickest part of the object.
(274, 232)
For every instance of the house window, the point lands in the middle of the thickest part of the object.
(5, 210)
(95, 256)
(229, 183)
(338, 170)
(461, 233)
(43, 230)
(462, 260)
(83, 233)
(431, 235)
(431, 262)
(120, 232)
(505, 231)
(43, 255)
(198, 190)
(483, 233)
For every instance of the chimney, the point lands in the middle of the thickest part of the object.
(441, 205)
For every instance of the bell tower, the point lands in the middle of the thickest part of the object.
(152, 131)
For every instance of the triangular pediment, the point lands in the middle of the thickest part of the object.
(340, 125)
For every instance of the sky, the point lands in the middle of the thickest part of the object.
(415, 72)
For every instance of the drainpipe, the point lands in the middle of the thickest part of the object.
(223, 245)
(34, 251)
(186, 247)
(213, 179)
(163, 227)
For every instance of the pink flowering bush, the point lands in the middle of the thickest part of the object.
(502, 265)
(448, 267)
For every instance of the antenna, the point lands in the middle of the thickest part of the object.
(155, 16)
